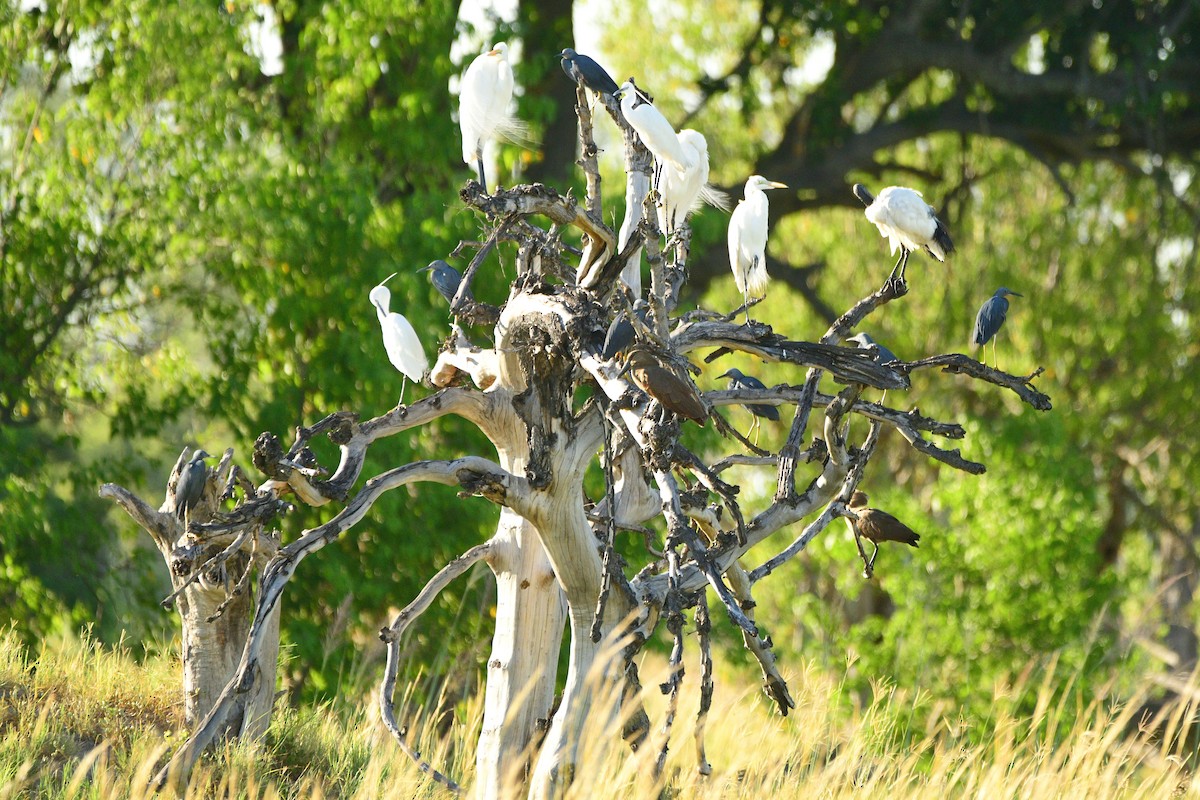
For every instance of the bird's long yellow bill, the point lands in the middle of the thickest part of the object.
(777, 185)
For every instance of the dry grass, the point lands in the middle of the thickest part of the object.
(82, 722)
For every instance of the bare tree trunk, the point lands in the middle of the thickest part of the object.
(522, 668)
(211, 652)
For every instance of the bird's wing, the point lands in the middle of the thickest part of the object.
(910, 217)
(404, 347)
(989, 319)
(735, 246)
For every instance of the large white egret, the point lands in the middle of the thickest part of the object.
(483, 99)
(683, 191)
(908, 223)
(748, 239)
(399, 338)
(655, 132)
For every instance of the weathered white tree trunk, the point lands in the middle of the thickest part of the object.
(211, 652)
(522, 667)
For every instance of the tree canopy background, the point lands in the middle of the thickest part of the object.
(189, 226)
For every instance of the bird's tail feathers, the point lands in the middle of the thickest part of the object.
(715, 197)
(941, 245)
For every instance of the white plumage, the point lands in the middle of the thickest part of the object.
(748, 239)
(906, 220)
(483, 99)
(399, 337)
(656, 133)
(683, 191)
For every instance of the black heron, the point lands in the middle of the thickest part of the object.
(584, 69)
(446, 280)
(190, 486)
(991, 318)
(739, 380)
(879, 353)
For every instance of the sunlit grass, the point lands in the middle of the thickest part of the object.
(79, 721)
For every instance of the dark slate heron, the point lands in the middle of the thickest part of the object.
(445, 279)
(739, 380)
(991, 318)
(877, 526)
(190, 486)
(879, 353)
(908, 223)
(621, 332)
(667, 384)
(585, 70)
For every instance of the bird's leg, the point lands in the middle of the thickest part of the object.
(867, 563)
(479, 168)
(995, 358)
(891, 283)
(870, 570)
(403, 385)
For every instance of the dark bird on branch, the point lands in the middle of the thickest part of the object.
(908, 223)
(739, 380)
(879, 353)
(445, 279)
(621, 332)
(190, 486)
(670, 386)
(878, 526)
(585, 70)
(991, 318)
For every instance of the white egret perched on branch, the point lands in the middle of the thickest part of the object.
(399, 338)
(908, 223)
(655, 132)
(748, 239)
(683, 191)
(483, 99)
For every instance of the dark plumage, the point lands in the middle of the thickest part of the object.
(878, 526)
(662, 381)
(581, 68)
(445, 279)
(879, 353)
(738, 380)
(991, 316)
(621, 333)
(190, 486)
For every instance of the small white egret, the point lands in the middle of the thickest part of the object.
(483, 98)
(399, 338)
(908, 223)
(748, 239)
(683, 191)
(656, 133)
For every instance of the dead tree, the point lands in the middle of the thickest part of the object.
(211, 557)
(552, 553)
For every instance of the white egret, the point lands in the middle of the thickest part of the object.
(399, 338)
(483, 99)
(748, 239)
(683, 191)
(655, 132)
(908, 223)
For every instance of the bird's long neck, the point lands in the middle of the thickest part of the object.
(756, 198)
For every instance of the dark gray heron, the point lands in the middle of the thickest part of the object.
(621, 332)
(190, 486)
(877, 526)
(879, 353)
(991, 318)
(908, 223)
(739, 380)
(585, 70)
(445, 279)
